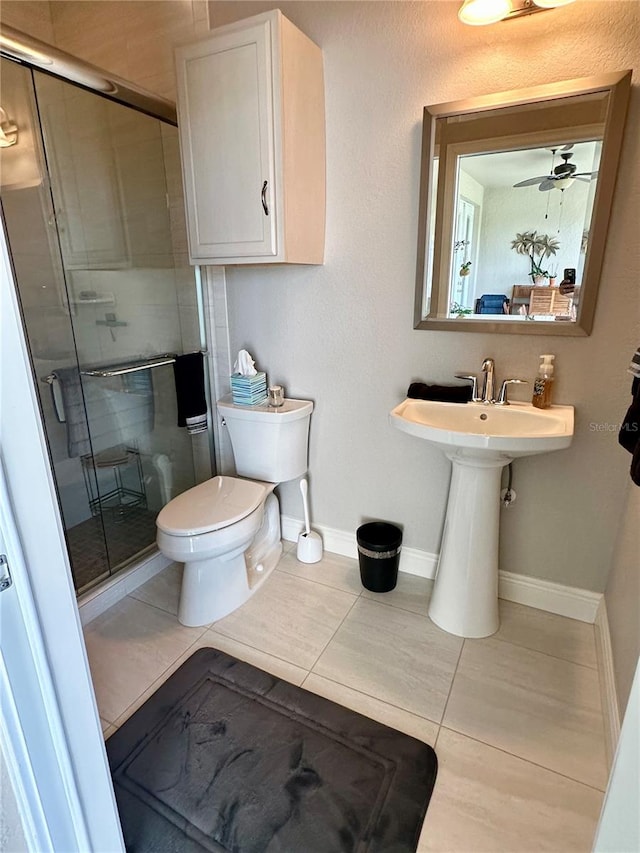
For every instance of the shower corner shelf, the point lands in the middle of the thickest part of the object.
(119, 498)
(94, 299)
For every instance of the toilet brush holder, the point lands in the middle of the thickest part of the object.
(309, 547)
(309, 542)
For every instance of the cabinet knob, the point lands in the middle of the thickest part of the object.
(265, 206)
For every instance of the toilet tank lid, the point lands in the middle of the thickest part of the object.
(214, 504)
(291, 410)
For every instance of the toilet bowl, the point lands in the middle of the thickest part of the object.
(226, 530)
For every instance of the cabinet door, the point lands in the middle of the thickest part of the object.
(226, 124)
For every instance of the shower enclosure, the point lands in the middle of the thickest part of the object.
(93, 216)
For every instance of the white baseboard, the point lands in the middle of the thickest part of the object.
(570, 601)
(412, 561)
(567, 601)
(608, 691)
(97, 600)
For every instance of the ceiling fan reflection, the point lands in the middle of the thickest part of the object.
(561, 176)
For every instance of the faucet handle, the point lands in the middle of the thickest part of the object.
(502, 397)
(474, 387)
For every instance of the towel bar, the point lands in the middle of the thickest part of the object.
(127, 367)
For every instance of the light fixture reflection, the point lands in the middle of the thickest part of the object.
(552, 4)
(481, 12)
(8, 131)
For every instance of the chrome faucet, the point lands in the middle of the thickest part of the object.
(488, 386)
(502, 398)
(488, 368)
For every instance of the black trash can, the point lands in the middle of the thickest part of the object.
(379, 554)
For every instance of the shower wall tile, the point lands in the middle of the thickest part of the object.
(200, 12)
(33, 18)
(163, 85)
(217, 326)
(186, 286)
(89, 38)
(189, 327)
(201, 457)
(133, 40)
(148, 49)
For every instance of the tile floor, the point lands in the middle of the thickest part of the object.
(515, 719)
(104, 543)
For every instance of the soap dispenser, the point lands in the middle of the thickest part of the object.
(543, 384)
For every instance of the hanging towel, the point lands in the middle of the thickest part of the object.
(635, 465)
(629, 435)
(73, 407)
(440, 393)
(188, 372)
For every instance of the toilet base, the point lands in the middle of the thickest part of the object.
(214, 587)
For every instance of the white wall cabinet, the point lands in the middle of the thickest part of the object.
(252, 139)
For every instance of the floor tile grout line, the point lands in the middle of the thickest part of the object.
(311, 580)
(360, 592)
(354, 602)
(371, 696)
(526, 760)
(424, 613)
(375, 600)
(161, 676)
(453, 678)
(256, 649)
(439, 726)
(540, 652)
(158, 607)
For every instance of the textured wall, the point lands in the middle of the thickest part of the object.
(342, 333)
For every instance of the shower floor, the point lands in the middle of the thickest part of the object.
(126, 535)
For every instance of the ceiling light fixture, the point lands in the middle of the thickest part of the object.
(481, 12)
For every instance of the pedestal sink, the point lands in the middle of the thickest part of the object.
(479, 440)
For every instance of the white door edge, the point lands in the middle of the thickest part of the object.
(69, 742)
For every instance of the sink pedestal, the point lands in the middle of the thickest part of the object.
(465, 594)
(479, 440)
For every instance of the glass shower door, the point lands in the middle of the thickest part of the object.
(94, 232)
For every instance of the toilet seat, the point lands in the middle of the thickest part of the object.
(212, 505)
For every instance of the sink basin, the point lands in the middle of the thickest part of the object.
(479, 440)
(518, 429)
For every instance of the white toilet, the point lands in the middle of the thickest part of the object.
(226, 531)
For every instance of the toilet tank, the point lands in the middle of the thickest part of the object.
(268, 443)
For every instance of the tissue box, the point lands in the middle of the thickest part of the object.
(249, 390)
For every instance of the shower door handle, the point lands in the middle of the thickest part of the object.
(5, 575)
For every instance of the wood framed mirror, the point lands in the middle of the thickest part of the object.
(515, 196)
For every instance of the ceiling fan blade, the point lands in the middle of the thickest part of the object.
(547, 184)
(531, 181)
(566, 147)
(585, 174)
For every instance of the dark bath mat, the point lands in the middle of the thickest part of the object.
(225, 757)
